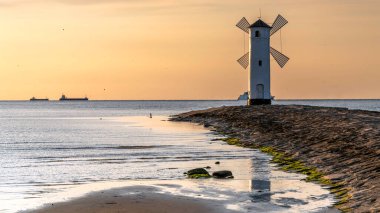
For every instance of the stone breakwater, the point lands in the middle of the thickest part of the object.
(334, 146)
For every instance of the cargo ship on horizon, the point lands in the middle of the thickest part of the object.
(64, 98)
(38, 99)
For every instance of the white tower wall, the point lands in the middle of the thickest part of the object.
(259, 74)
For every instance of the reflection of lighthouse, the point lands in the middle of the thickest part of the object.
(260, 183)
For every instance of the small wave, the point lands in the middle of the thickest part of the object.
(139, 147)
(90, 148)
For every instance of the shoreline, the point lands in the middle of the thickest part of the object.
(136, 199)
(191, 196)
(336, 147)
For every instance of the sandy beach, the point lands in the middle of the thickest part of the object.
(153, 199)
(137, 200)
(334, 146)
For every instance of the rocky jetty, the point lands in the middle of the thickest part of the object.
(337, 146)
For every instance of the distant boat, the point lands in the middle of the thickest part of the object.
(64, 98)
(38, 99)
(243, 96)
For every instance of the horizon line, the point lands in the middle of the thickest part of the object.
(285, 99)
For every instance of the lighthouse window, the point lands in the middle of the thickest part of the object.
(257, 33)
(260, 63)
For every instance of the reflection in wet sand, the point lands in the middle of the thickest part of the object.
(260, 183)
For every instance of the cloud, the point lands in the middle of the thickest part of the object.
(120, 7)
(89, 2)
(16, 3)
(93, 2)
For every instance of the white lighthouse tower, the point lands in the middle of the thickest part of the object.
(258, 58)
(259, 72)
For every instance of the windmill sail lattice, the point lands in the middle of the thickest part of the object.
(278, 24)
(279, 57)
(243, 24)
(244, 60)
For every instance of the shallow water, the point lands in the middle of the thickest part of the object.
(52, 151)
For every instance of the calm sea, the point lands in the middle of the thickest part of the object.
(49, 149)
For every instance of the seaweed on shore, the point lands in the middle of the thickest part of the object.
(290, 164)
(198, 173)
(232, 141)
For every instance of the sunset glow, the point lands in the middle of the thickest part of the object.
(166, 49)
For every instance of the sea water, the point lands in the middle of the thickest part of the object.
(55, 151)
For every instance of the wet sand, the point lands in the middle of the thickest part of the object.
(342, 144)
(139, 199)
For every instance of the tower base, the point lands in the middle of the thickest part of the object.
(259, 102)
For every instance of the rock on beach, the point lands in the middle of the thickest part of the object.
(198, 173)
(222, 174)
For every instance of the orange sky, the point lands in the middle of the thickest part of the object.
(170, 49)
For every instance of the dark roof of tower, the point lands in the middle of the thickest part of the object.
(260, 23)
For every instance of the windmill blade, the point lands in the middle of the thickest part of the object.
(243, 24)
(278, 24)
(244, 60)
(279, 57)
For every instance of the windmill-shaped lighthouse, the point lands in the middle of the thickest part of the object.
(258, 58)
